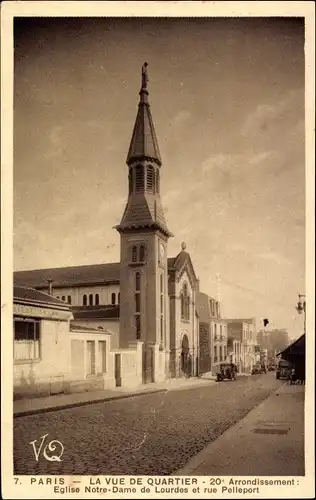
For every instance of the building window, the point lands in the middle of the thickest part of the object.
(69, 299)
(91, 357)
(215, 355)
(119, 298)
(215, 331)
(57, 297)
(221, 332)
(138, 305)
(139, 178)
(161, 309)
(97, 299)
(102, 356)
(158, 181)
(142, 253)
(26, 339)
(134, 253)
(185, 303)
(150, 179)
(113, 299)
(90, 299)
(85, 300)
(63, 298)
(220, 353)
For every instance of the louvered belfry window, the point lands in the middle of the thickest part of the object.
(157, 181)
(139, 178)
(150, 179)
(130, 180)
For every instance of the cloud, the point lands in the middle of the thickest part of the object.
(266, 117)
(274, 257)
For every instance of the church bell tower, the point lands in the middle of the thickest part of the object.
(144, 312)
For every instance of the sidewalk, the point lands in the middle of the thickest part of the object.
(23, 407)
(268, 441)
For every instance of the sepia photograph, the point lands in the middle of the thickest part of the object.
(159, 301)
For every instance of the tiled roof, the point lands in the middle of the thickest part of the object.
(29, 294)
(81, 328)
(69, 276)
(101, 312)
(73, 276)
(144, 210)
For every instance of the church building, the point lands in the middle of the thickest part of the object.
(146, 299)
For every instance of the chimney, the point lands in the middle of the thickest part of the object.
(50, 287)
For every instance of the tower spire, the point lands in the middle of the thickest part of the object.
(144, 144)
(144, 207)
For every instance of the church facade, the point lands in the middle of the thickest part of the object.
(147, 300)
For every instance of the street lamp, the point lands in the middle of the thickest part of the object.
(301, 308)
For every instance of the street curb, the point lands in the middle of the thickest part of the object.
(84, 403)
(199, 458)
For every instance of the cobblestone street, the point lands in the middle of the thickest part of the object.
(152, 434)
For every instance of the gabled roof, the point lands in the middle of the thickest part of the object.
(96, 274)
(181, 260)
(26, 294)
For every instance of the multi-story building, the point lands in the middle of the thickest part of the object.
(212, 332)
(244, 330)
(234, 351)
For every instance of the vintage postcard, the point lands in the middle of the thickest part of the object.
(157, 249)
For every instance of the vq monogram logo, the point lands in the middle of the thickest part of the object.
(50, 447)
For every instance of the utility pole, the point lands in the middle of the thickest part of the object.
(301, 307)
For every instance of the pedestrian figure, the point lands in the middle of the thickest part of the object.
(292, 376)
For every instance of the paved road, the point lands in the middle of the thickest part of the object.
(152, 434)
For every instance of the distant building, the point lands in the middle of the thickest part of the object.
(273, 340)
(234, 351)
(212, 332)
(244, 330)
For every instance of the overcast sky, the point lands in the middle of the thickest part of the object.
(227, 99)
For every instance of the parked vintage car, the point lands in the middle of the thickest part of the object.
(257, 369)
(225, 370)
(284, 369)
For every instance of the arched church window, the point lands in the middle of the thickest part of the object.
(97, 299)
(134, 253)
(150, 179)
(139, 178)
(69, 299)
(113, 299)
(85, 300)
(90, 299)
(185, 303)
(142, 253)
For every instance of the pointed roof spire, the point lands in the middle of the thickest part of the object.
(144, 144)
